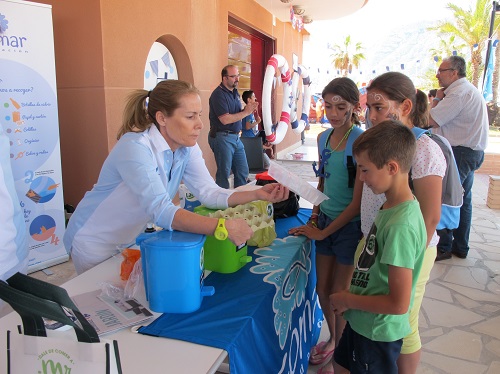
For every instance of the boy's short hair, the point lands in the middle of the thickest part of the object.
(246, 95)
(389, 140)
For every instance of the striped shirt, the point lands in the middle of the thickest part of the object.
(462, 116)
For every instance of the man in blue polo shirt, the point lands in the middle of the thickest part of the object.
(225, 125)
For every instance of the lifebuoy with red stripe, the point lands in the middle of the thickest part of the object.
(299, 125)
(276, 133)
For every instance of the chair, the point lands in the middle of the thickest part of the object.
(254, 151)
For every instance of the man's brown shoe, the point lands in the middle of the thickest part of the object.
(443, 255)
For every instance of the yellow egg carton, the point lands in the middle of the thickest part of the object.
(258, 215)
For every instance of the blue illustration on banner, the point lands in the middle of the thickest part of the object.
(42, 189)
(10, 43)
(45, 231)
(42, 228)
(290, 280)
(4, 24)
(28, 113)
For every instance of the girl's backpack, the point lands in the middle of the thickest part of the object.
(453, 192)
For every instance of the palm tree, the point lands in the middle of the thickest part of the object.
(347, 56)
(471, 26)
(428, 80)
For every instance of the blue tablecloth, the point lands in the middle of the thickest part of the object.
(266, 315)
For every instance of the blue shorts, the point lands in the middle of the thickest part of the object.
(341, 243)
(362, 355)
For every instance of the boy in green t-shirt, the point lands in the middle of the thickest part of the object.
(387, 266)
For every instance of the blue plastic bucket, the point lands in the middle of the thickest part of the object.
(173, 265)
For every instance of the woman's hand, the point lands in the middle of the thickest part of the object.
(310, 231)
(238, 231)
(273, 192)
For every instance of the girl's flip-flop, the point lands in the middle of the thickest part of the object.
(319, 355)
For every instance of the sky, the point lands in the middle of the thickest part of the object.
(379, 17)
(371, 25)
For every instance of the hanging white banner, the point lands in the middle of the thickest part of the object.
(28, 114)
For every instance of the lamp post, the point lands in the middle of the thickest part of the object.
(495, 8)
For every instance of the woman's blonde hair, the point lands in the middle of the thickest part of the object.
(140, 113)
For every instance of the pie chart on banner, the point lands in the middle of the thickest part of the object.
(42, 228)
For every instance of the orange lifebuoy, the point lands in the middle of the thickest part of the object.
(276, 133)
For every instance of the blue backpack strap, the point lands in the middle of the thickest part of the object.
(349, 161)
(322, 140)
(418, 132)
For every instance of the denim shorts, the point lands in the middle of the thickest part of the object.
(341, 243)
(362, 355)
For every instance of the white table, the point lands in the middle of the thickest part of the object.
(139, 353)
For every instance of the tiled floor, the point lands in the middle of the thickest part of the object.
(460, 315)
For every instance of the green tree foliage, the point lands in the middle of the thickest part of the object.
(347, 56)
(446, 46)
(472, 27)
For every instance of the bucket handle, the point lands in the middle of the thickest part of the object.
(245, 259)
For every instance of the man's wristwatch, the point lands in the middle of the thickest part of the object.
(220, 232)
(437, 99)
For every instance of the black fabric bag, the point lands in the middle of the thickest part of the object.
(32, 351)
(283, 209)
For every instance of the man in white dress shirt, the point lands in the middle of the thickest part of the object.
(458, 112)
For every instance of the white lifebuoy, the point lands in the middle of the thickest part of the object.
(298, 126)
(295, 98)
(276, 63)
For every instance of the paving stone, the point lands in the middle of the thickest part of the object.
(490, 327)
(487, 230)
(495, 288)
(472, 293)
(437, 271)
(431, 333)
(467, 276)
(488, 309)
(452, 365)
(480, 223)
(466, 302)
(494, 256)
(494, 368)
(494, 347)
(435, 291)
(458, 344)
(448, 315)
(494, 266)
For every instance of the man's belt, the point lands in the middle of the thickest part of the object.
(225, 132)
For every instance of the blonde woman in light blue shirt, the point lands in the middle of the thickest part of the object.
(156, 150)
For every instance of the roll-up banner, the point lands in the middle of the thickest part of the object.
(28, 114)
